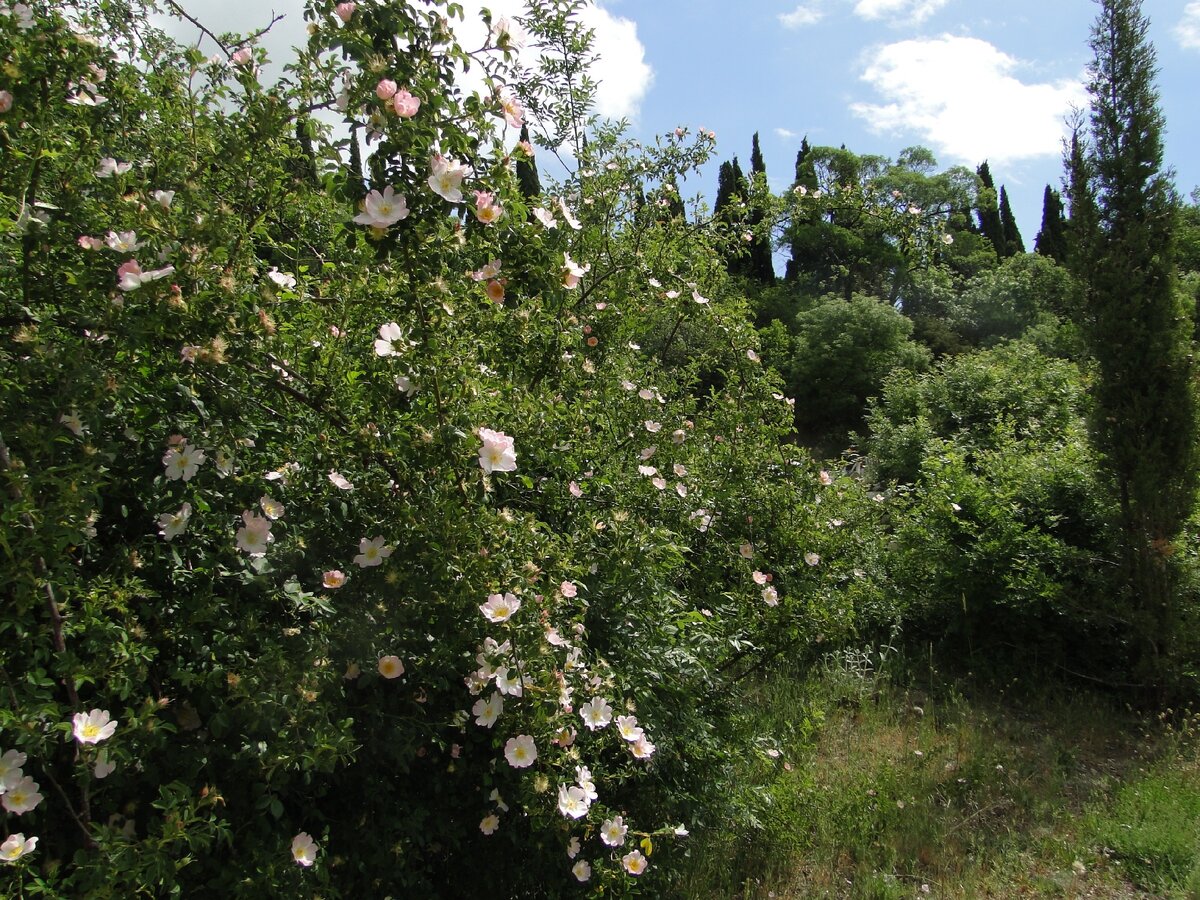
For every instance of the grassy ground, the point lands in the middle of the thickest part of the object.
(867, 788)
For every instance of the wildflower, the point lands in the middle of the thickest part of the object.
(122, 242)
(568, 216)
(446, 177)
(490, 823)
(392, 340)
(486, 712)
(164, 198)
(171, 525)
(628, 728)
(339, 481)
(6, 101)
(495, 290)
(333, 579)
(372, 552)
(573, 848)
(652, 426)
(497, 453)
(642, 748)
(582, 870)
(271, 507)
(545, 217)
(746, 551)
(812, 559)
(72, 423)
(513, 111)
(572, 272)
(596, 713)
(520, 751)
(15, 846)
(304, 849)
(344, 11)
(10, 768)
(770, 596)
(21, 796)
(281, 279)
(242, 56)
(254, 536)
(500, 607)
(130, 276)
(568, 589)
(182, 461)
(93, 727)
(109, 167)
(382, 210)
(487, 210)
(386, 89)
(405, 104)
(634, 862)
(612, 832)
(391, 667)
(572, 802)
(87, 242)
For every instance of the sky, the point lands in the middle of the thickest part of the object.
(970, 80)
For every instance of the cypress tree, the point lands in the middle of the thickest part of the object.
(988, 210)
(801, 245)
(1144, 421)
(527, 173)
(759, 265)
(1051, 240)
(1008, 226)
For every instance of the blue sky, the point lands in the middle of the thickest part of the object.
(965, 78)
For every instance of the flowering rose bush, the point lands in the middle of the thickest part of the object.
(526, 670)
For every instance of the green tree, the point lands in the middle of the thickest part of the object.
(1051, 239)
(988, 209)
(1008, 223)
(1144, 423)
(759, 263)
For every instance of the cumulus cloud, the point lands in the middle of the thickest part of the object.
(802, 15)
(785, 134)
(622, 72)
(1188, 30)
(960, 94)
(899, 12)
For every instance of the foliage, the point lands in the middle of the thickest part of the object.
(1002, 303)
(291, 420)
(999, 525)
(843, 352)
(1144, 422)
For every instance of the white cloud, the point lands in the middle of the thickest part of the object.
(1188, 29)
(800, 16)
(785, 134)
(900, 12)
(960, 95)
(622, 72)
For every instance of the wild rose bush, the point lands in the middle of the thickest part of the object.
(364, 529)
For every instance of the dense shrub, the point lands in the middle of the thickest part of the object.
(303, 482)
(999, 525)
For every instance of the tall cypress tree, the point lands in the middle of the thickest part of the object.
(988, 210)
(1144, 421)
(1051, 240)
(1008, 226)
(527, 173)
(801, 244)
(760, 266)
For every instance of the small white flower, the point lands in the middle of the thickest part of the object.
(596, 713)
(520, 751)
(304, 849)
(612, 832)
(93, 727)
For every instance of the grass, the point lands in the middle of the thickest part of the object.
(863, 785)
